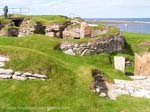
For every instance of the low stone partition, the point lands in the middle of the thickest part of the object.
(16, 75)
(138, 87)
(106, 44)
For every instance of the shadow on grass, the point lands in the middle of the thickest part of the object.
(128, 49)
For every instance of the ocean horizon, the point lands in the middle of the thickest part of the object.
(136, 25)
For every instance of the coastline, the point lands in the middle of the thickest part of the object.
(115, 22)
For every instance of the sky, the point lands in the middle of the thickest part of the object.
(83, 8)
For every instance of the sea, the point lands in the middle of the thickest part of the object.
(136, 25)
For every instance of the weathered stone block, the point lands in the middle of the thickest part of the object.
(96, 46)
(15, 77)
(119, 63)
(142, 64)
(6, 71)
(2, 64)
(85, 30)
(5, 76)
(40, 76)
(3, 59)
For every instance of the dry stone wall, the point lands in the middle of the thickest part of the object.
(28, 27)
(74, 28)
(108, 44)
(138, 87)
(142, 64)
(17, 75)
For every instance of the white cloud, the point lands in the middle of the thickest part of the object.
(85, 8)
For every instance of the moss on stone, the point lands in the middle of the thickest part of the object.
(6, 28)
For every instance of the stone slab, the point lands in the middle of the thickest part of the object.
(119, 63)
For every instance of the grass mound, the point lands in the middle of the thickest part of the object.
(69, 77)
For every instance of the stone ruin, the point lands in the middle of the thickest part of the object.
(75, 29)
(99, 85)
(142, 64)
(17, 75)
(138, 87)
(27, 27)
(108, 44)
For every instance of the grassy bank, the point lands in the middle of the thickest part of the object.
(67, 89)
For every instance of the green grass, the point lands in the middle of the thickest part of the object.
(69, 77)
(43, 19)
(7, 28)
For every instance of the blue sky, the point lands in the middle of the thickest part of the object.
(85, 8)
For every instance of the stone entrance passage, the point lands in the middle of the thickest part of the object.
(142, 64)
(17, 21)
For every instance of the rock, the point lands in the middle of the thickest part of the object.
(9, 31)
(27, 74)
(5, 76)
(99, 84)
(142, 64)
(51, 34)
(40, 76)
(33, 78)
(17, 73)
(28, 27)
(119, 63)
(85, 30)
(15, 77)
(141, 93)
(77, 20)
(2, 64)
(52, 27)
(108, 44)
(6, 71)
(56, 30)
(9, 73)
(103, 94)
(99, 31)
(69, 51)
(138, 77)
(72, 31)
(3, 59)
